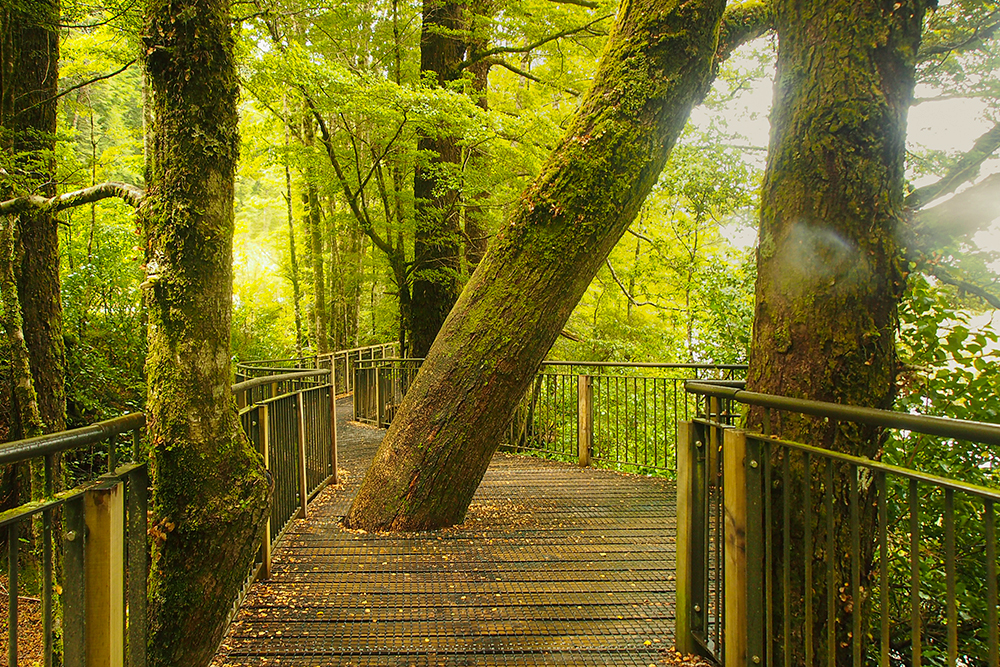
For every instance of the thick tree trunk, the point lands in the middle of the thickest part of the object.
(436, 243)
(655, 68)
(828, 273)
(31, 87)
(210, 490)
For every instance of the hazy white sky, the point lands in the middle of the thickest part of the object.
(950, 125)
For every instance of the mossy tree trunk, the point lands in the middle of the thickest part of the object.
(210, 492)
(29, 131)
(655, 68)
(437, 236)
(314, 227)
(828, 263)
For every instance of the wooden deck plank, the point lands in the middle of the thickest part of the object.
(555, 565)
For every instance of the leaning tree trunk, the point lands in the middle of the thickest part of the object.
(210, 492)
(828, 264)
(655, 68)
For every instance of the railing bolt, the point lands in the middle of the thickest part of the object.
(70, 536)
(698, 443)
(697, 608)
(753, 463)
(756, 660)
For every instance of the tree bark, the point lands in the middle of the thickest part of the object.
(30, 88)
(314, 227)
(655, 68)
(436, 242)
(210, 492)
(828, 262)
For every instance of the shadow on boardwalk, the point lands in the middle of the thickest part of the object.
(554, 565)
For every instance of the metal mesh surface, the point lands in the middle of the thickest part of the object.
(554, 565)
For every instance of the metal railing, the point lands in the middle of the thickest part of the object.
(793, 554)
(340, 363)
(101, 586)
(291, 420)
(614, 415)
(289, 417)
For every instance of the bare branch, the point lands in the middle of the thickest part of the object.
(639, 236)
(130, 194)
(531, 77)
(629, 296)
(79, 86)
(579, 3)
(964, 170)
(534, 45)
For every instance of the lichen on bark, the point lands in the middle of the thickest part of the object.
(828, 263)
(210, 493)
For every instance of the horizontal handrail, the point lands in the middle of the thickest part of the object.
(591, 364)
(939, 426)
(271, 379)
(644, 364)
(43, 445)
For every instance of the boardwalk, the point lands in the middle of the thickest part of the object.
(554, 566)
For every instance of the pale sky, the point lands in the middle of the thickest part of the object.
(950, 125)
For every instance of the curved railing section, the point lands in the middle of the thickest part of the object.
(761, 518)
(621, 416)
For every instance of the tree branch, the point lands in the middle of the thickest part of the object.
(964, 170)
(531, 77)
(742, 23)
(531, 47)
(638, 236)
(629, 296)
(966, 213)
(981, 33)
(130, 194)
(942, 274)
(79, 86)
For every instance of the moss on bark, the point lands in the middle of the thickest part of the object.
(828, 273)
(210, 491)
(655, 67)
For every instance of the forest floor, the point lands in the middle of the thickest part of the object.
(554, 565)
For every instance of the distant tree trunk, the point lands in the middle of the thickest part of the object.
(827, 264)
(210, 494)
(314, 227)
(293, 260)
(476, 228)
(655, 68)
(437, 259)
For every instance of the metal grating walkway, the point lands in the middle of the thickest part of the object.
(554, 566)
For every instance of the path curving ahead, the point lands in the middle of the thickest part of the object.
(554, 565)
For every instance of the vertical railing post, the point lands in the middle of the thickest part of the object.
(686, 531)
(303, 484)
(138, 504)
(105, 575)
(735, 498)
(585, 417)
(334, 479)
(265, 439)
(74, 582)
